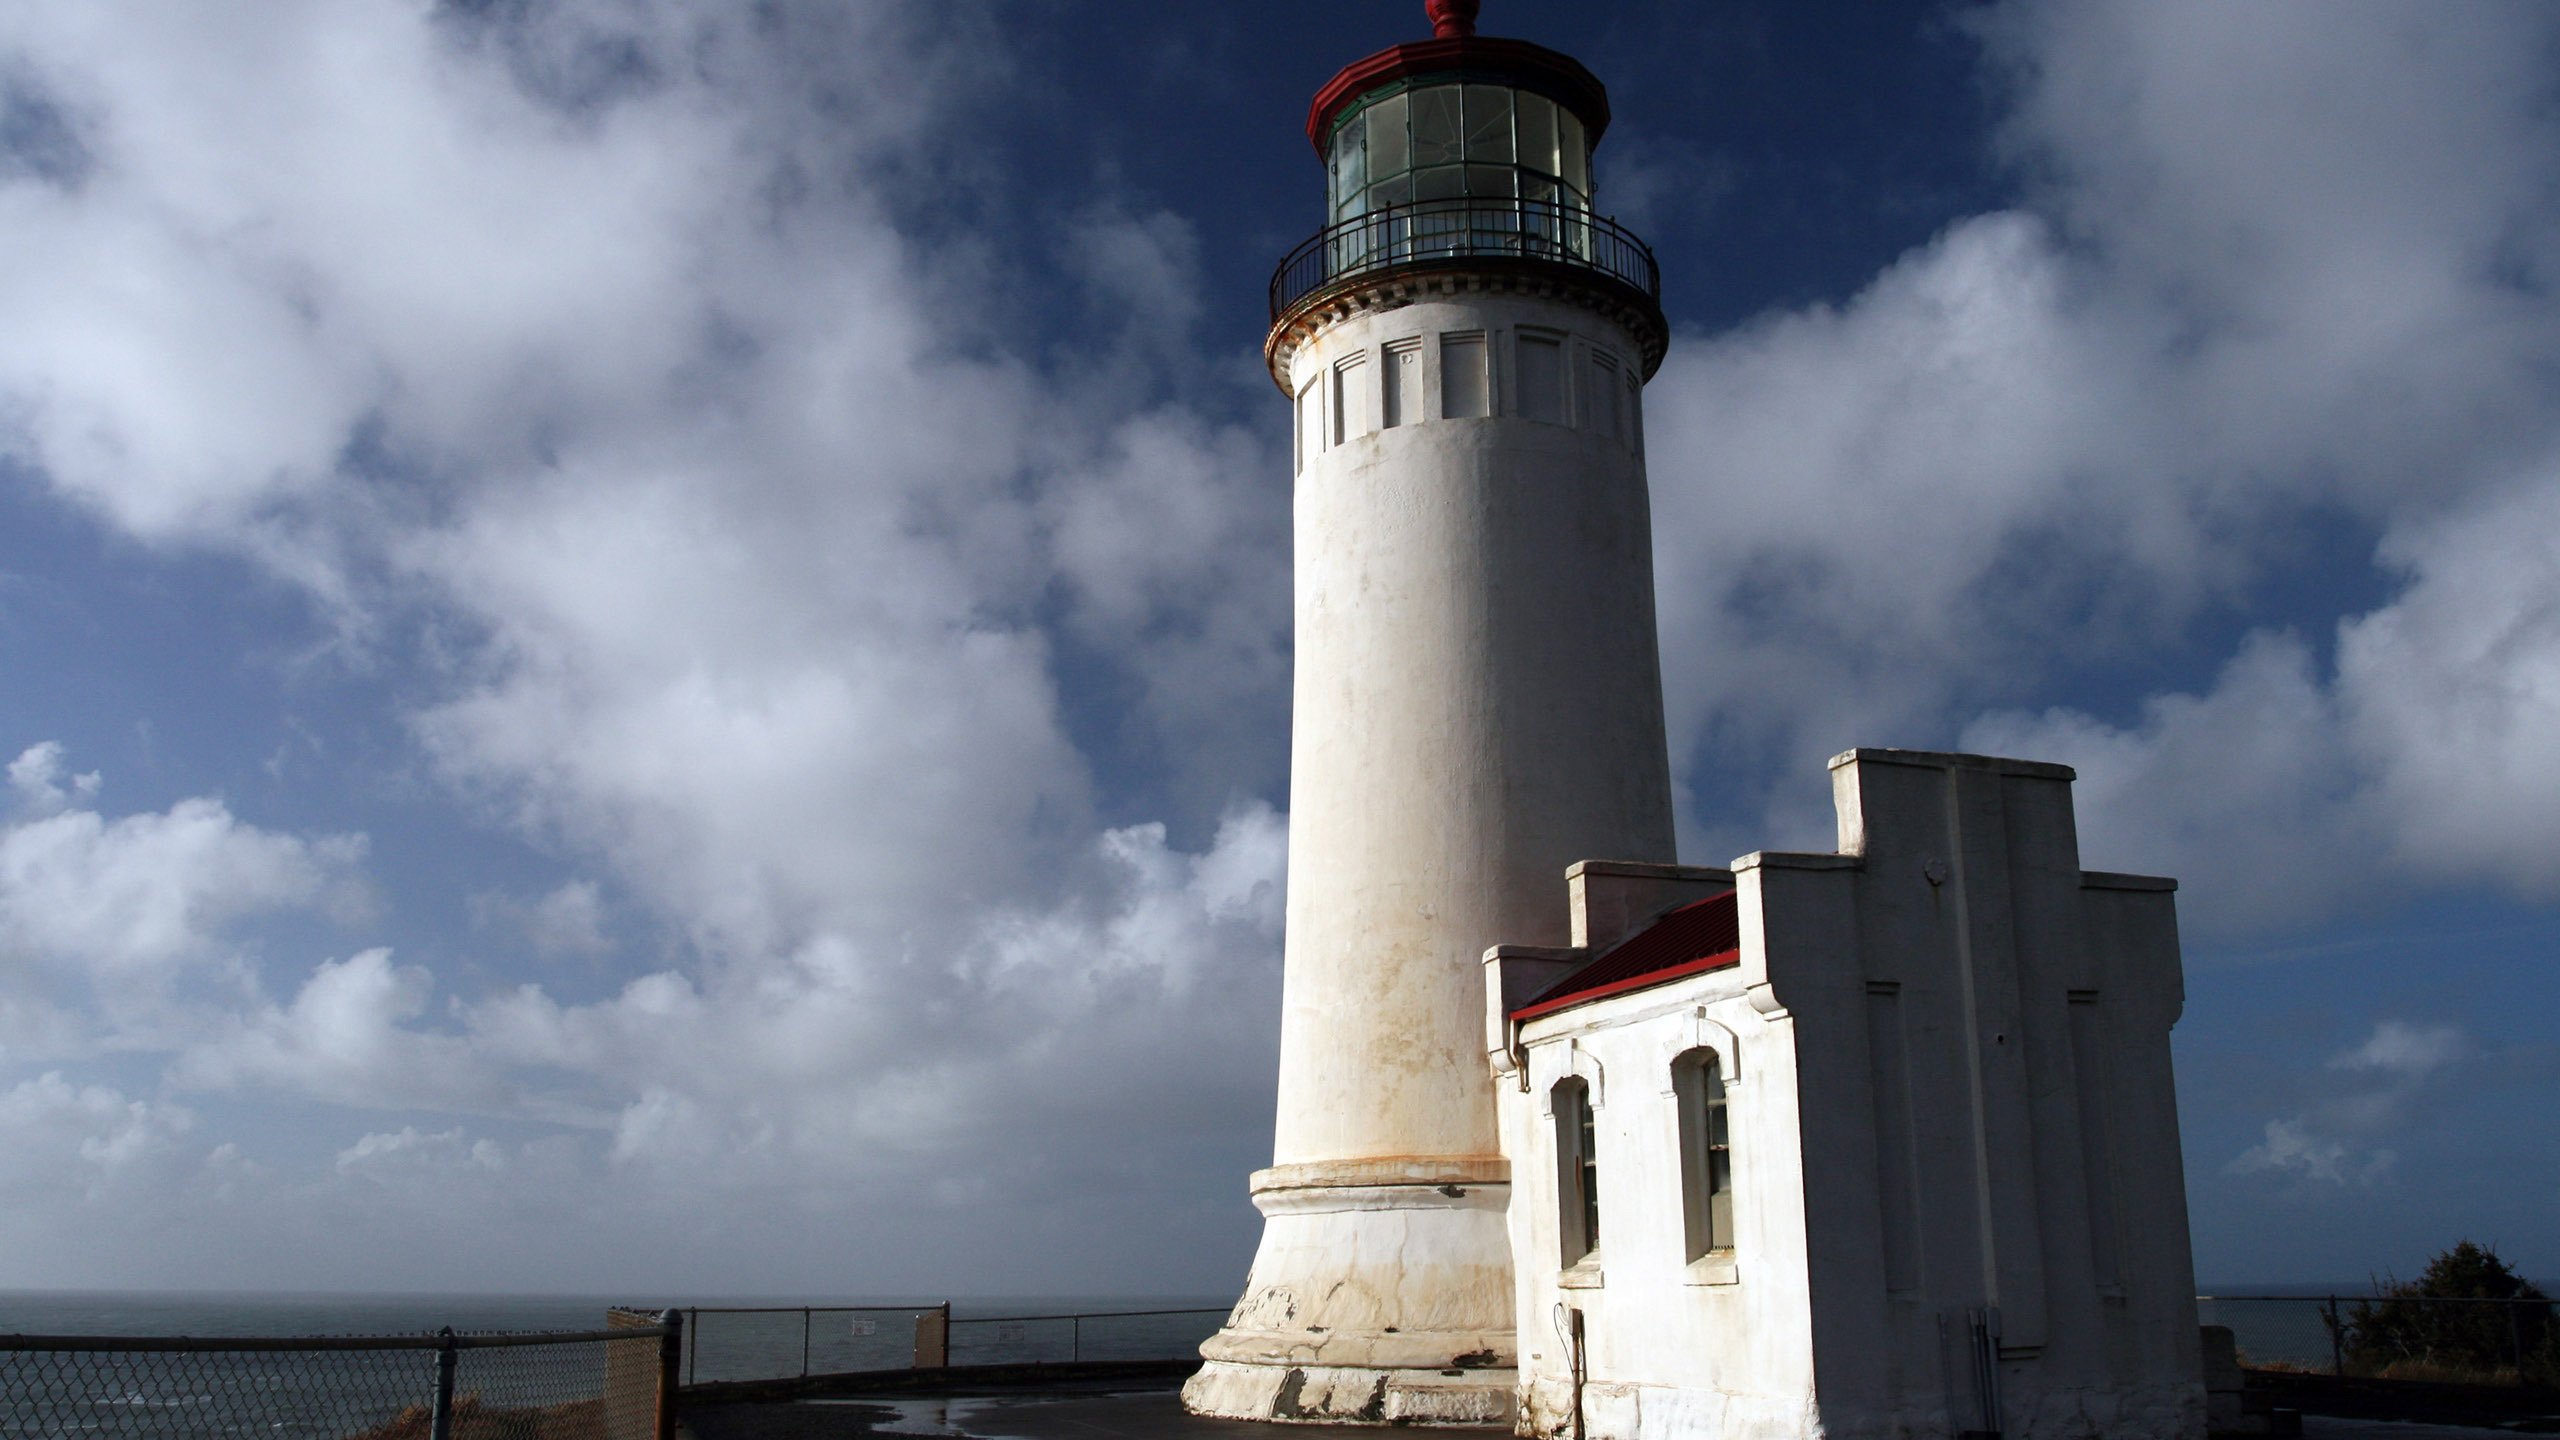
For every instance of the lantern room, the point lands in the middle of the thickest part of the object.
(1461, 152)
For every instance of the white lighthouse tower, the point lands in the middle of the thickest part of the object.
(1478, 697)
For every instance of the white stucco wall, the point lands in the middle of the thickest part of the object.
(1954, 1097)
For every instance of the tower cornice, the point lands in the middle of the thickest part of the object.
(1640, 313)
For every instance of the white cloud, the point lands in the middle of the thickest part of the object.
(2279, 267)
(120, 901)
(83, 1142)
(2410, 1052)
(727, 538)
(347, 1038)
(38, 775)
(2379, 1088)
(408, 1157)
(2292, 1150)
(570, 919)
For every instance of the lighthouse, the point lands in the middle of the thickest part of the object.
(1478, 698)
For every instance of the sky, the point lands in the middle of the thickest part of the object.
(644, 644)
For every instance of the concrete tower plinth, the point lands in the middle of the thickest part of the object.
(1478, 701)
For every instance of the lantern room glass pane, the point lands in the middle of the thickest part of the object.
(1390, 147)
(1575, 152)
(1446, 182)
(1437, 139)
(1537, 123)
(1350, 162)
(1489, 125)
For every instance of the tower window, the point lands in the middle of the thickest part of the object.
(1542, 377)
(1577, 1171)
(1706, 1152)
(1403, 394)
(1353, 411)
(1463, 387)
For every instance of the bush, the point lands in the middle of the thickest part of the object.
(2410, 1331)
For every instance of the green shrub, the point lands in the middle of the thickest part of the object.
(2407, 1331)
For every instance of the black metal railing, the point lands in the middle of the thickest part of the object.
(1080, 1336)
(613, 1384)
(780, 1342)
(1471, 227)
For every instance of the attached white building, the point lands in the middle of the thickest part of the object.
(1875, 1143)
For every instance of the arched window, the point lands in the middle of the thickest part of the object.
(1706, 1152)
(1577, 1172)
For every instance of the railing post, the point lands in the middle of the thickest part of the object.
(693, 1352)
(440, 1419)
(1075, 1342)
(804, 1342)
(670, 1353)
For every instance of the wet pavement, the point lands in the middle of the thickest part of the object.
(1157, 1414)
(1118, 1414)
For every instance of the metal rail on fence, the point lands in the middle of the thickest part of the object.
(444, 1386)
(773, 1342)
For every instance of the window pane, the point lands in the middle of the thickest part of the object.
(1389, 152)
(1489, 124)
(1435, 126)
(1351, 409)
(1396, 191)
(1448, 182)
(1462, 376)
(1403, 393)
(1541, 379)
(1350, 160)
(1490, 180)
(1575, 152)
(1538, 133)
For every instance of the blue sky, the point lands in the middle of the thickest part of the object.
(646, 643)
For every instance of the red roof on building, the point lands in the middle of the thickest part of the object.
(1700, 936)
(1536, 68)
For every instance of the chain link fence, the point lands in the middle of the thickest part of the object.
(2445, 1339)
(611, 1384)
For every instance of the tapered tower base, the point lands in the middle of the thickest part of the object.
(1378, 1297)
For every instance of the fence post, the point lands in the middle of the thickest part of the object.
(933, 1337)
(693, 1353)
(670, 1351)
(2337, 1341)
(1075, 1332)
(440, 1419)
(804, 1342)
(2515, 1334)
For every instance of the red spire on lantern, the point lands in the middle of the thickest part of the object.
(1452, 19)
